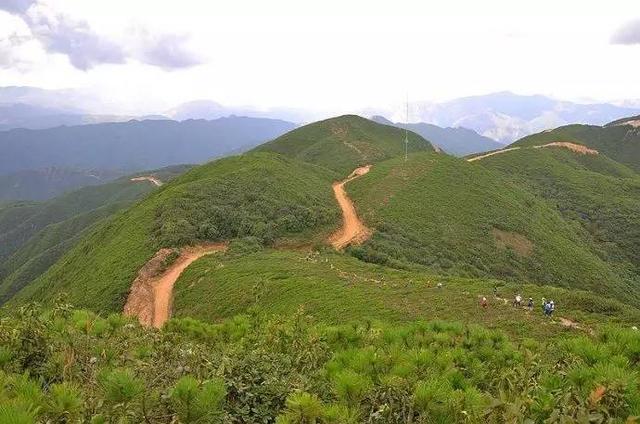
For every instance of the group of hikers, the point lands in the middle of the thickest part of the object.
(548, 306)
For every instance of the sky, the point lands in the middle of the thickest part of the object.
(145, 56)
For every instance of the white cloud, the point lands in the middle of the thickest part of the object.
(345, 55)
(18, 49)
(629, 33)
(60, 32)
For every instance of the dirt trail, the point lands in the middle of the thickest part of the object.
(353, 230)
(497, 152)
(577, 148)
(149, 178)
(151, 292)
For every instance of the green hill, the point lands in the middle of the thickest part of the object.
(432, 212)
(335, 288)
(269, 197)
(618, 141)
(329, 337)
(47, 183)
(35, 235)
(260, 195)
(345, 142)
(590, 191)
(460, 218)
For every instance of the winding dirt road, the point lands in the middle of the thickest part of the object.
(353, 230)
(152, 291)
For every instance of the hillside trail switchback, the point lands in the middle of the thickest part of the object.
(152, 291)
(353, 230)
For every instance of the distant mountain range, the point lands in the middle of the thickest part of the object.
(503, 116)
(507, 117)
(134, 145)
(456, 141)
(20, 115)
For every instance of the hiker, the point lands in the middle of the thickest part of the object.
(484, 302)
(495, 290)
(547, 308)
(544, 305)
(517, 301)
(439, 285)
(530, 304)
(552, 307)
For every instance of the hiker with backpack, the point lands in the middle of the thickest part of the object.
(517, 301)
(484, 302)
(530, 304)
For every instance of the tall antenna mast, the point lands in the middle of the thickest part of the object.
(406, 133)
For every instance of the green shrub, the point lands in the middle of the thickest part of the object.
(120, 385)
(351, 386)
(196, 402)
(65, 402)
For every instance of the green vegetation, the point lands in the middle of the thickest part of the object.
(260, 195)
(65, 365)
(344, 143)
(335, 288)
(18, 228)
(591, 191)
(459, 218)
(281, 329)
(36, 235)
(619, 142)
(433, 213)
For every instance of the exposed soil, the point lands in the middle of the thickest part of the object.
(153, 180)
(519, 243)
(151, 292)
(353, 231)
(634, 123)
(565, 322)
(577, 148)
(497, 152)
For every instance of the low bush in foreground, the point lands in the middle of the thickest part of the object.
(65, 365)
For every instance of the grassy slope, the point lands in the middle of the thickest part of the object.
(47, 246)
(594, 192)
(345, 142)
(442, 213)
(64, 207)
(337, 288)
(38, 234)
(619, 142)
(246, 195)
